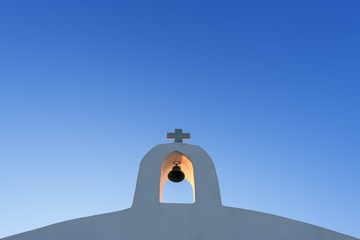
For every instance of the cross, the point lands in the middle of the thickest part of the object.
(178, 135)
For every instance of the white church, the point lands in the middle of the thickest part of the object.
(205, 219)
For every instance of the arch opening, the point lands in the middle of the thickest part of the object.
(177, 192)
(186, 166)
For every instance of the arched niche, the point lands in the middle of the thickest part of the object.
(186, 166)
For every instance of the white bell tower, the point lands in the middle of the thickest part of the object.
(195, 162)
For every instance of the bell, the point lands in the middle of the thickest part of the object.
(176, 175)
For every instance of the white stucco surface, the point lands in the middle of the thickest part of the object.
(148, 218)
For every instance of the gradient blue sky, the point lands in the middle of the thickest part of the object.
(270, 89)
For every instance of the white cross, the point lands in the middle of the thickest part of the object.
(178, 135)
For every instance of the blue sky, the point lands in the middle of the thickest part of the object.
(269, 89)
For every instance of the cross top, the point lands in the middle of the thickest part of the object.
(178, 135)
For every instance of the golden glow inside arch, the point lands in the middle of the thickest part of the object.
(186, 167)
